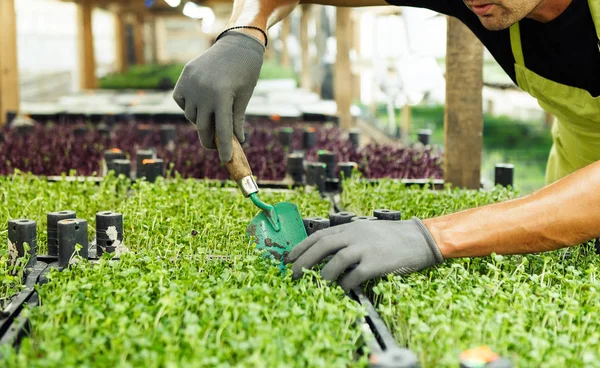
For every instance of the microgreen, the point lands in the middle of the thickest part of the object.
(537, 310)
(12, 271)
(192, 291)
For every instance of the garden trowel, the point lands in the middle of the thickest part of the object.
(277, 228)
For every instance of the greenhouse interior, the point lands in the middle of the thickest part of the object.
(290, 183)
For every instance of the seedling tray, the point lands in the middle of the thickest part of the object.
(263, 184)
(12, 328)
(433, 183)
(384, 351)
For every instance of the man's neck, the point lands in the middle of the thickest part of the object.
(548, 10)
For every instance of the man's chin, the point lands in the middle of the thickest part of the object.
(493, 24)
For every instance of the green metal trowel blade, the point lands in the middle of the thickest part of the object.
(278, 243)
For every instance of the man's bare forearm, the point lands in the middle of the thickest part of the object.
(563, 214)
(266, 13)
(347, 3)
(259, 13)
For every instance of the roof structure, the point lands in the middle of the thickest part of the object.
(145, 6)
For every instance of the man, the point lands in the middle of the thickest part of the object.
(550, 48)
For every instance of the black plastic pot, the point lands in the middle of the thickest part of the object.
(332, 185)
(114, 154)
(23, 231)
(53, 219)
(109, 230)
(313, 224)
(346, 169)
(309, 138)
(143, 131)
(103, 130)
(315, 175)
(111, 155)
(70, 233)
(425, 136)
(363, 218)
(504, 175)
(152, 169)
(80, 130)
(354, 137)
(23, 130)
(295, 167)
(329, 159)
(10, 116)
(140, 156)
(122, 167)
(168, 134)
(286, 136)
(340, 218)
(388, 215)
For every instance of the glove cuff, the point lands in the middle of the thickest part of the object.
(430, 241)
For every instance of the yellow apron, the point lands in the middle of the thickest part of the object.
(576, 131)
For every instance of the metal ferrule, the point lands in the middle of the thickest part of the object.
(247, 185)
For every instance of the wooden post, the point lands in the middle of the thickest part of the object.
(120, 43)
(342, 72)
(356, 47)
(151, 41)
(285, 32)
(138, 37)
(405, 120)
(161, 41)
(9, 70)
(87, 62)
(463, 117)
(320, 49)
(306, 75)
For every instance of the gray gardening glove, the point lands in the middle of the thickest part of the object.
(376, 248)
(214, 89)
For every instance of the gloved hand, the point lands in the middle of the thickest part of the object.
(376, 248)
(214, 89)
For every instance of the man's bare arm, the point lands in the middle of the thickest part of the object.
(266, 13)
(562, 214)
(347, 3)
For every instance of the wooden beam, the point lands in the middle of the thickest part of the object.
(305, 69)
(342, 72)
(285, 32)
(87, 62)
(463, 116)
(138, 39)
(120, 43)
(9, 70)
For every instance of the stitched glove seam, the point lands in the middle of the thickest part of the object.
(430, 241)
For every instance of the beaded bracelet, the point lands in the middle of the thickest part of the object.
(251, 27)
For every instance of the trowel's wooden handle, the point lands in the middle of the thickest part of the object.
(238, 167)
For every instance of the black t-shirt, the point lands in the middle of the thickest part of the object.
(564, 50)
